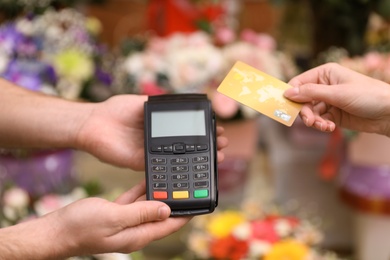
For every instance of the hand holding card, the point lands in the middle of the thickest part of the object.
(261, 92)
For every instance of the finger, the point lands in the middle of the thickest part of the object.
(314, 92)
(222, 142)
(152, 231)
(319, 121)
(318, 75)
(220, 156)
(141, 198)
(324, 125)
(133, 194)
(220, 130)
(307, 114)
(164, 228)
(320, 108)
(143, 212)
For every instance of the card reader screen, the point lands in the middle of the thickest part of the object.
(178, 123)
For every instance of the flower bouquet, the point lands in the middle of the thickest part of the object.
(194, 62)
(55, 52)
(250, 233)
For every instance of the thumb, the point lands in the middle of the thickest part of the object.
(145, 211)
(309, 92)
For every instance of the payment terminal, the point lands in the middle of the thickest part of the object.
(180, 153)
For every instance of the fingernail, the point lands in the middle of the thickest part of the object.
(318, 125)
(332, 128)
(305, 120)
(163, 212)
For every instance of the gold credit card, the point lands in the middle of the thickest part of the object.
(260, 92)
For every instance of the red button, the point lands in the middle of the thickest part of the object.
(160, 195)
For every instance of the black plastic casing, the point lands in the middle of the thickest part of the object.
(182, 102)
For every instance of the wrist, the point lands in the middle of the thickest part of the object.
(80, 134)
(76, 120)
(26, 240)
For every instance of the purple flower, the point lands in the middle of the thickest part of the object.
(30, 73)
(103, 77)
(9, 38)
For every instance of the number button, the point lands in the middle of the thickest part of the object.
(180, 185)
(201, 167)
(159, 169)
(200, 159)
(180, 169)
(159, 177)
(178, 177)
(159, 161)
(201, 175)
(179, 161)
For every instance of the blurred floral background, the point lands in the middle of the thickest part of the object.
(91, 50)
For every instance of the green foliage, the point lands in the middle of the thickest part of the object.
(12, 8)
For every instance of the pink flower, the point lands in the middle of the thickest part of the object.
(150, 88)
(264, 230)
(373, 61)
(157, 45)
(224, 35)
(248, 35)
(261, 40)
(266, 42)
(48, 204)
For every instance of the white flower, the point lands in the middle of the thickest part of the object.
(16, 198)
(3, 62)
(78, 193)
(69, 89)
(199, 243)
(242, 231)
(258, 248)
(10, 213)
(53, 32)
(49, 89)
(25, 26)
(283, 227)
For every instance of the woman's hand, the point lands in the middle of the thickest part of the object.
(337, 96)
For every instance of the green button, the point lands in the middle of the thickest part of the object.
(201, 193)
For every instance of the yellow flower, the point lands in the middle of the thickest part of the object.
(222, 224)
(74, 65)
(94, 26)
(288, 250)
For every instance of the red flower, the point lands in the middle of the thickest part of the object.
(228, 248)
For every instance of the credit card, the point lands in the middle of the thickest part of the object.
(261, 92)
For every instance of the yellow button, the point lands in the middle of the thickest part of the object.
(180, 195)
